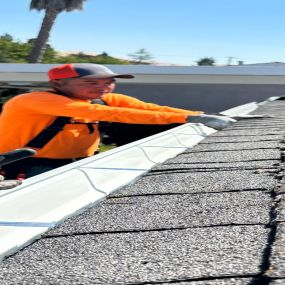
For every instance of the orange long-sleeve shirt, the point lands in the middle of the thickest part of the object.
(26, 115)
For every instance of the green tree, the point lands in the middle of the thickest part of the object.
(141, 56)
(52, 9)
(103, 58)
(15, 51)
(206, 61)
(5, 44)
(12, 50)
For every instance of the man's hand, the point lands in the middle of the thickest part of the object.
(8, 184)
(212, 121)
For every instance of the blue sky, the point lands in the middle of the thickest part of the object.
(172, 31)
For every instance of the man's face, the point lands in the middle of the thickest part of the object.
(85, 88)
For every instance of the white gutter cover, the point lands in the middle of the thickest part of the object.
(43, 201)
(241, 110)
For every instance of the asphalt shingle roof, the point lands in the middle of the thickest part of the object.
(207, 216)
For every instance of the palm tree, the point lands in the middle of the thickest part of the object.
(52, 9)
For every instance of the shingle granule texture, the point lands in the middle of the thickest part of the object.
(139, 257)
(166, 212)
(173, 165)
(277, 259)
(249, 138)
(226, 156)
(236, 146)
(223, 281)
(198, 182)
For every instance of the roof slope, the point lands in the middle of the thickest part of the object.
(204, 217)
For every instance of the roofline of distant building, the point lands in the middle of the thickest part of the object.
(239, 74)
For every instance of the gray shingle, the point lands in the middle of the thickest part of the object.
(226, 156)
(171, 211)
(236, 146)
(216, 139)
(249, 132)
(196, 167)
(198, 182)
(139, 257)
(280, 208)
(225, 281)
(249, 125)
(277, 259)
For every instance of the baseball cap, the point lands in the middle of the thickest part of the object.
(73, 70)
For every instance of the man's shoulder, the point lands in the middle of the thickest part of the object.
(37, 94)
(34, 97)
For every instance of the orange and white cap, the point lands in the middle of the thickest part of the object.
(91, 70)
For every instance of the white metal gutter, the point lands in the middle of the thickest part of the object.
(241, 110)
(43, 201)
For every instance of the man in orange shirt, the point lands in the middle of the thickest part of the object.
(62, 124)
